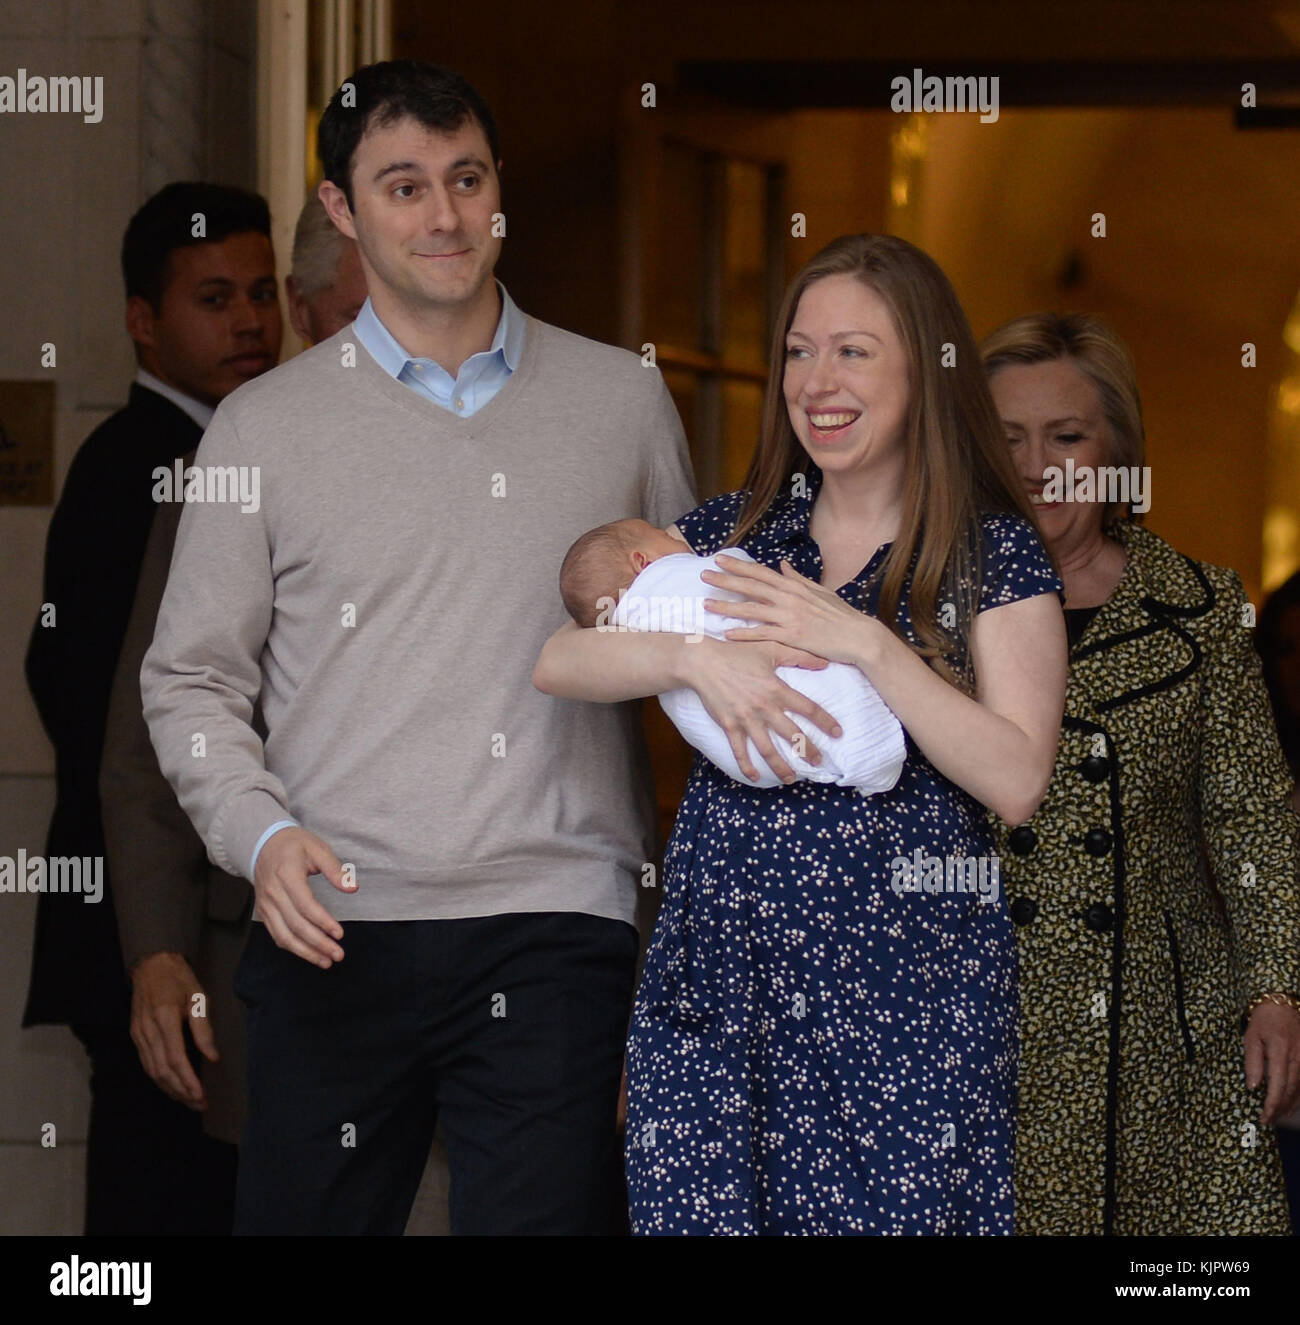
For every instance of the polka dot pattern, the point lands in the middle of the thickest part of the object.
(812, 1051)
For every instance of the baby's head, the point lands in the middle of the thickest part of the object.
(605, 560)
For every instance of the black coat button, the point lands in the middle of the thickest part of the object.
(1095, 768)
(1099, 918)
(1096, 841)
(1022, 840)
(1023, 910)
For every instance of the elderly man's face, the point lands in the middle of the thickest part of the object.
(317, 316)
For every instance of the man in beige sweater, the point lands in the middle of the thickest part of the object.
(182, 921)
(383, 582)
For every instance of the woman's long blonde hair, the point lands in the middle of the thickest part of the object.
(958, 464)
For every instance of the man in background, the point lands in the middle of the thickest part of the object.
(177, 913)
(203, 311)
(326, 286)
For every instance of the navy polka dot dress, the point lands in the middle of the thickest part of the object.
(815, 1047)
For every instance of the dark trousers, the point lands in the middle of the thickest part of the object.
(150, 1168)
(510, 1030)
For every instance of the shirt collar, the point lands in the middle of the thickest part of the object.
(388, 352)
(196, 409)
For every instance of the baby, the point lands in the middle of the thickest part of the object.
(628, 575)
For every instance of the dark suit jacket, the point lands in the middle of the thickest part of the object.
(92, 562)
(169, 897)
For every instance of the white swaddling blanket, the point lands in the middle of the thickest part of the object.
(669, 596)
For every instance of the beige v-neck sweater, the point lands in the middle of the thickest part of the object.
(388, 600)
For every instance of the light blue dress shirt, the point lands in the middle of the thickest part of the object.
(481, 376)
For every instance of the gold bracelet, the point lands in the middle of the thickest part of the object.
(1281, 1000)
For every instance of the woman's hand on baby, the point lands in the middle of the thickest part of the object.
(782, 655)
(738, 685)
(790, 609)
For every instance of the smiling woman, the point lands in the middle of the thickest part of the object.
(813, 1049)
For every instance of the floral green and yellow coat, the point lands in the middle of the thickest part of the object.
(1134, 1115)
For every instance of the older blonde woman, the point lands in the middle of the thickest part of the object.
(1160, 1031)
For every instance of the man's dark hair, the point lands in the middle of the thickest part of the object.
(382, 94)
(166, 223)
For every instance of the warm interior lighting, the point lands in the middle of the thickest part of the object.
(1291, 332)
(1281, 545)
(1282, 519)
(907, 149)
